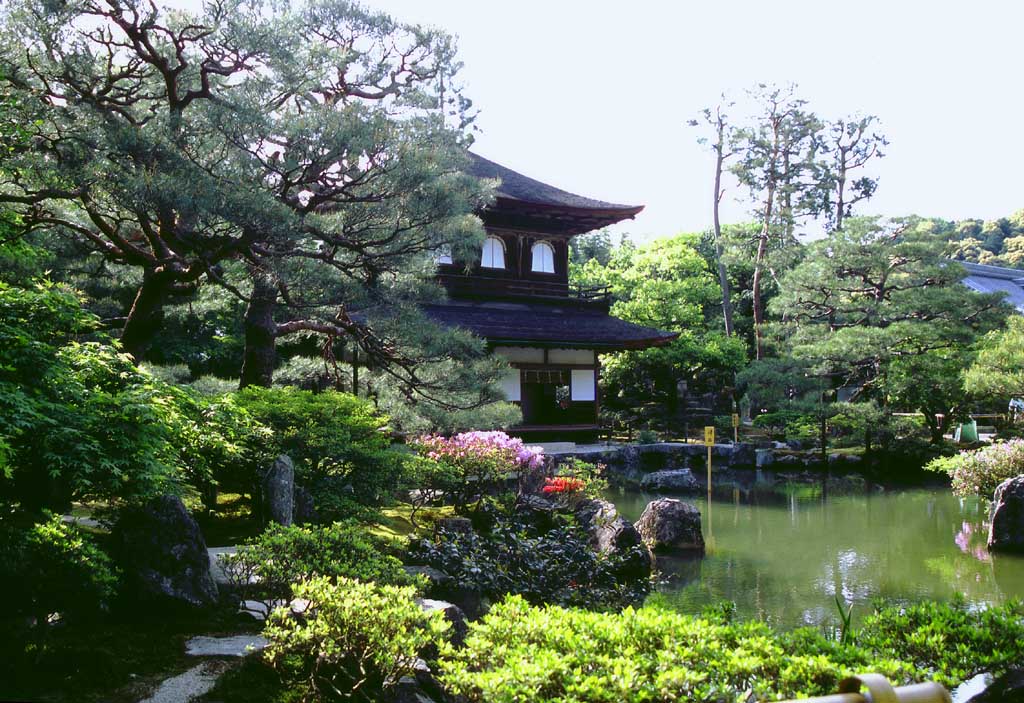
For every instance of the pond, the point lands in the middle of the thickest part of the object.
(782, 551)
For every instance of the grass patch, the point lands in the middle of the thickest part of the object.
(396, 521)
(230, 523)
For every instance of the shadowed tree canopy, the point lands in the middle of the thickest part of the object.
(308, 158)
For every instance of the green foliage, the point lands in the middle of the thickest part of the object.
(339, 443)
(354, 638)
(77, 419)
(784, 423)
(877, 293)
(998, 370)
(553, 566)
(518, 652)
(52, 568)
(980, 471)
(949, 642)
(647, 437)
(592, 476)
(667, 285)
(266, 566)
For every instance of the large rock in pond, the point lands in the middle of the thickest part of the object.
(1006, 530)
(679, 480)
(279, 491)
(163, 554)
(669, 523)
(610, 533)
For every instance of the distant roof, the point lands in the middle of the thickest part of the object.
(527, 196)
(547, 325)
(996, 279)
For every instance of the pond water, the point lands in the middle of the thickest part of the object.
(782, 551)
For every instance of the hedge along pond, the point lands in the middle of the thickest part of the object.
(782, 552)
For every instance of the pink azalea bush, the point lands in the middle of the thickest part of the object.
(980, 471)
(477, 446)
(478, 462)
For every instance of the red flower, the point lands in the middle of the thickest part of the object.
(562, 484)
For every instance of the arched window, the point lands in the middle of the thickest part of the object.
(543, 256)
(494, 254)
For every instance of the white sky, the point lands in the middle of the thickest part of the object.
(594, 96)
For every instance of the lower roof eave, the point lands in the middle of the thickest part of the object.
(631, 345)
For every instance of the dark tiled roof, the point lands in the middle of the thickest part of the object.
(547, 325)
(996, 279)
(516, 186)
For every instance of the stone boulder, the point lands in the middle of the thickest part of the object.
(452, 613)
(765, 457)
(163, 554)
(455, 525)
(279, 491)
(680, 480)
(669, 523)
(303, 509)
(1006, 529)
(610, 533)
(743, 454)
(1008, 688)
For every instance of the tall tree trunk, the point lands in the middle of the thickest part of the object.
(762, 250)
(723, 275)
(146, 316)
(260, 332)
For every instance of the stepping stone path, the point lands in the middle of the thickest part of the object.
(189, 685)
(201, 679)
(237, 646)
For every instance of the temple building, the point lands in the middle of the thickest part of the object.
(517, 296)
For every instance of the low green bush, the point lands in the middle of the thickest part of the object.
(951, 641)
(339, 443)
(265, 567)
(519, 652)
(556, 566)
(647, 437)
(354, 638)
(980, 471)
(50, 569)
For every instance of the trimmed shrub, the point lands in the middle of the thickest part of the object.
(951, 641)
(518, 652)
(980, 471)
(339, 443)
(353, 639)
(473, 464)
(266, 566)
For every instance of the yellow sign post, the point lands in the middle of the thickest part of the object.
(709, 439)
(736, 427)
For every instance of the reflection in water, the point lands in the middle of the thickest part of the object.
(782, 553)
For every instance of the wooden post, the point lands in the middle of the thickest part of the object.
(709, 440)
(355, 371)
